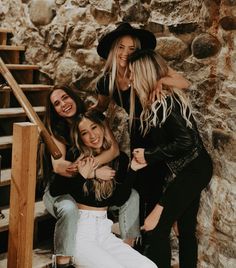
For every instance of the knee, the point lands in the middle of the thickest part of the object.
(66, 208)
(134, 197)
(132, 202)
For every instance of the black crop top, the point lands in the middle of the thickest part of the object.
(74, 186)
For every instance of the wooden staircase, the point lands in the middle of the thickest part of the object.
(28, 77)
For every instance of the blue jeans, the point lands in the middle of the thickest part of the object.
(65, 210)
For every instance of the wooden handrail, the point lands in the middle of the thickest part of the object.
(33, 117)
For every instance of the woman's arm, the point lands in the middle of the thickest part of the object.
(60, 165)
(172, 79)
(175, 79)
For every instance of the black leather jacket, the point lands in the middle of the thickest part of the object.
(174, 142)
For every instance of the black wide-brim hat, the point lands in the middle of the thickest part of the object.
(147, 38)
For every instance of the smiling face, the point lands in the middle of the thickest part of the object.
(91, 134)
(63, 104)
(125, 47)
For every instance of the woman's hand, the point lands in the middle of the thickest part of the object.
(138, 154)
(172, 79)
(86, 167)
(105, 173)
(72, 169)
(155, 94)
(152, 219)
(136, 165)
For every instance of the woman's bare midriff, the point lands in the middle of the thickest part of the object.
(82, 206)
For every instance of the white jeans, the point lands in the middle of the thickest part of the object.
(97, 247)
(65, 210)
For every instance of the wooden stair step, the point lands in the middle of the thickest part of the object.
(5, 142)
(29, 87)
(39, 212)
(22, 67)
(5, 30)
(11, 54)
(12, 47)
(5, 35)
(18, 111)
(5, 177)
(41, 258)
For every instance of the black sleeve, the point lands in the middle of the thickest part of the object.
(99, 115)
(102, 86)
(181, 141)
(125, 179)
(65, 185)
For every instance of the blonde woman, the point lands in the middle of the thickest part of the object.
(96, 246)
(114, 86)
(176, 141)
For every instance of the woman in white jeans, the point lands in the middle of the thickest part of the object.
(62, 107)
(96, 246)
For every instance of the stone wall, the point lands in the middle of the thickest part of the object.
(197, 38)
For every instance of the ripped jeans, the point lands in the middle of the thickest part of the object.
(65, 210)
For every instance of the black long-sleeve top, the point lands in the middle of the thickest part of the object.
(74, 186)
(174, 142)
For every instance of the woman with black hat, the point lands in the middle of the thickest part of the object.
(115, 47)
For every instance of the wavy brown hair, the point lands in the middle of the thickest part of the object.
(56, 125)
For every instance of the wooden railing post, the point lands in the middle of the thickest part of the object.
(22, 195)
(24, 102)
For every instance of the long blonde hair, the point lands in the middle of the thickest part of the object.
(102, 188)
(111, 67)
(147, 68)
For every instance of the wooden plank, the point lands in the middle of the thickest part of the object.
(18, 111)
(11, 47)
(24, 102)
(39, 212)
(5, 35)
(5, 99)
(3, 38)
(6, 30)
(22, 67)
(42, 257)
(5, 142)
(22, 195)
(11, 56)
(5, 177)
(29, 87)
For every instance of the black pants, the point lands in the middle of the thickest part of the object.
(181, 203)
(150, 187)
